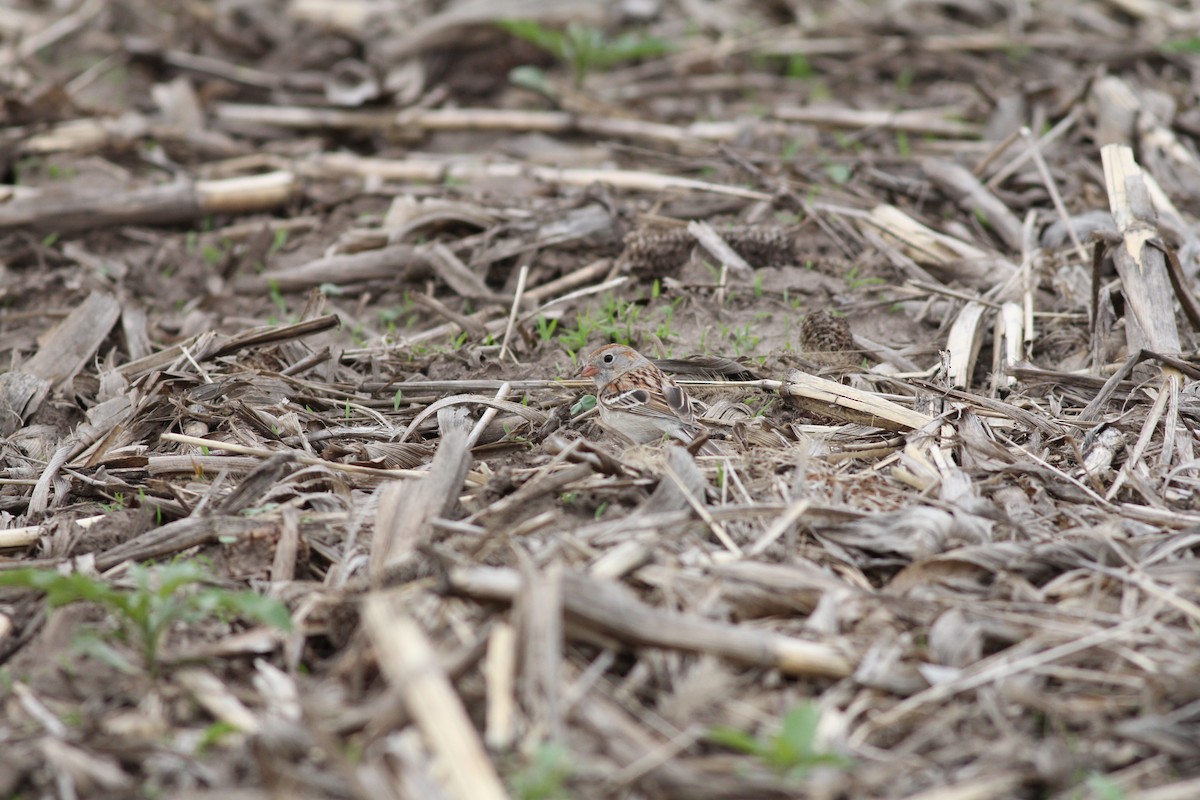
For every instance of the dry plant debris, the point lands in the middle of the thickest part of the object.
(293, 295)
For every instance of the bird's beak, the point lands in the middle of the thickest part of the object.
(589, 371)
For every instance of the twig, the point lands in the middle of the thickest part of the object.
(488, 415)
(60, 29)
(716, 527)
(1051, 135)
(156, 205)
(1051, 187)
(432, 171)
(260, 452)
(512, 314)
(610, 609)
(984, 672)
(410, 663)
(778, 528)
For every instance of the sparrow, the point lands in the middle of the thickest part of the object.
(638, 402)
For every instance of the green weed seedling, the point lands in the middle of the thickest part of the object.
(744, 341)
(583, 404)
(546, 327)
(760, 405)
(59, 172)
(545, 777)
(212, 254)
(576, 339)
(798, 66)
(1186, 46)
(533, 79)
(213, 735)
(118, 503)
(277, 297)
(615, 321)
(583, 48)
(619, 320)
(278, 241)
(145, 612)
(855, 280)
(1099, 786)
(790, 752)
(144, 502)
(838, 173)
(664, 331)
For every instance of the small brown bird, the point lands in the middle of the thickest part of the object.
(638, 402)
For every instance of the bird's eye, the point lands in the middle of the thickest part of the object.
(608, 358)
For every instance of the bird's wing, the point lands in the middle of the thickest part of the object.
(664, 399)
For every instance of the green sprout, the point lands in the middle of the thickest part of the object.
(1185, 46)
(212, 254)
(798, 66)
(277, 243)
(277, 296)
(582, 48)
(791, 752)
(545, 327)
(145, 612)
(1102, 787)
(545, 777)
(855, 280)
(583, 404)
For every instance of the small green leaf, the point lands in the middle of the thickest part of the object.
(88, 643)
(159, 597)
(735, 740)
(791, 751)
(1183, 46)
(545, 777)
(798, 66)
(1103, 787)
(838, 173)
(532, 78)
(256, 607)
(213, 735)
(584, 404)
(212, 254)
